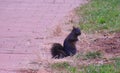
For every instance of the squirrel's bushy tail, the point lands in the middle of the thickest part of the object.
(57, 51)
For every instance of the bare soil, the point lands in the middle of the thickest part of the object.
(109, 45)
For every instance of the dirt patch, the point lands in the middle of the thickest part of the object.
(109, 45)
(27, 71)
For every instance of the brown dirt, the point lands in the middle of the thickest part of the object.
(109, 45)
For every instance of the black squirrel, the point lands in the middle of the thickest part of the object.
(68, 49)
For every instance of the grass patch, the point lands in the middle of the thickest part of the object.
(80, 56)
(65, 67)
(93, 55)
(61, 65)
(106, 68)
(89, 55)
(100, 15)
(117, 65)
(117, 62)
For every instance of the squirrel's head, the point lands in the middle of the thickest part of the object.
(76, 30)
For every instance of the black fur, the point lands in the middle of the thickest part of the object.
(57, 51)
(68, 48)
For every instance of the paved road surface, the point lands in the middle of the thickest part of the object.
(23, 25)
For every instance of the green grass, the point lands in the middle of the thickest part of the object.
(60, 65)
(106, 68)
(65, 67)
(117, 62)
(93, 55)
(100, 15)
(89, 55)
